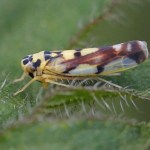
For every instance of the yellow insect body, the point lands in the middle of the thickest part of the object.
(48, 67)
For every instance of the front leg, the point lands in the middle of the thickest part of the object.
(38, 78)
(21, 78)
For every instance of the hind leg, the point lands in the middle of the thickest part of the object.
(57, 83)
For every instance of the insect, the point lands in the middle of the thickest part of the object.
(49, 66)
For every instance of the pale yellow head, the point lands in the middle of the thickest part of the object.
(33, 65)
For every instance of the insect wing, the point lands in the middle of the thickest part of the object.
(103, 61)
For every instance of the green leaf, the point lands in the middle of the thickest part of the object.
(84, 134)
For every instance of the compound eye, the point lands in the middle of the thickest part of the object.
(25, 61)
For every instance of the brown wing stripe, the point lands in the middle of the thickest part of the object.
(106, 54)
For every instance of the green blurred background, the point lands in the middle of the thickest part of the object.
(28, 27)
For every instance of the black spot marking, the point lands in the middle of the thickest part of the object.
(69, 69)
(31, 75)
(37, 63)
(99, 69)
(138, 57)
(77, 54)
(25, 61)
(47, 52)
(47, 57)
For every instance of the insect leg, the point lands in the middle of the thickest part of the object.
(25, 86)
(53, 82)
(110, 83)
(20, 79)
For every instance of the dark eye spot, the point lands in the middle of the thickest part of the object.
(25, 61)
(31, 75)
